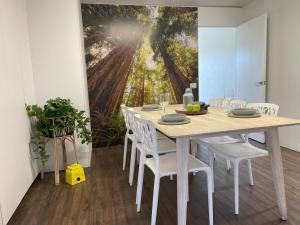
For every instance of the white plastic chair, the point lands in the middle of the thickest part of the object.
(237, 104)
(236, 152)
(165, 144)
(128, 134)
(229, 104)
(164, 165)
(216, 102)
(266, 109)
(128, 118)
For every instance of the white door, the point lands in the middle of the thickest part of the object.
(251, 60)
(251, 63)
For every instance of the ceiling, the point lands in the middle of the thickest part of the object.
(195, 3)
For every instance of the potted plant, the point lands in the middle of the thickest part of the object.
(57, 117)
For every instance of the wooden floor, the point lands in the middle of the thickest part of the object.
(107, 199)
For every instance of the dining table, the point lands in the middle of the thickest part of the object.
(217, 123)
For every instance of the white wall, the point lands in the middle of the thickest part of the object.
(17, 168)
(58, 58)
(219, 17)
(217, 62)
(283, 60)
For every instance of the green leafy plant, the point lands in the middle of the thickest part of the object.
(107, 130)
(57, 117)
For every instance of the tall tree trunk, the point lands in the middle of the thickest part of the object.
(141, 95)
(107, 79)
(178, 80)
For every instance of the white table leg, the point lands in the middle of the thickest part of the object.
(182, 146)
(273, 146)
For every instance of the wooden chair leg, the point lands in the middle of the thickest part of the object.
(63, 144)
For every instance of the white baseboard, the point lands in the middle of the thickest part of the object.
(1, 217)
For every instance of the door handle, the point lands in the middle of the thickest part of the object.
(261, 83)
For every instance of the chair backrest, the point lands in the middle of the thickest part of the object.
(137, 127)
(265, 108)
(124, 109)
(216, 102)
(237, 104)
(148, 135)
(130, 117)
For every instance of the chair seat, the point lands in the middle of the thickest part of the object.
(237, 151)
(168, 164)
(217, 140)
(163, 146)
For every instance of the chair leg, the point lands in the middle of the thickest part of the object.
(132, 161)
(209, 195)
(236, 187)
(194, 148)
(155, 199)
(250, 172)
(228, 165)
(140, 182)
(125, 152)
(211, 165)
(187, 190)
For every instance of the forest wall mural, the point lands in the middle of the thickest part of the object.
(133, 54)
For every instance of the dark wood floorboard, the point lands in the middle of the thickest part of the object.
(107, 199)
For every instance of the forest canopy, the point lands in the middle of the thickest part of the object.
(135, 53)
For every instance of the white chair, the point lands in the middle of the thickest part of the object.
(128, 118)
(216, 102)
(164, 165)
(266, 109)
(237, 104)
(128, 134)
(230, 104)
(236, 152)
(165, 144)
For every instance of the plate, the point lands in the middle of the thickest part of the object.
(149, 110)
(186, 121)
(174, 117)
(244, 116)
(184, 111)
(244, 111)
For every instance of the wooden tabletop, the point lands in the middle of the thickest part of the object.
(215, 122)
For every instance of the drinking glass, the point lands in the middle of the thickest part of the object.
(164, 100)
